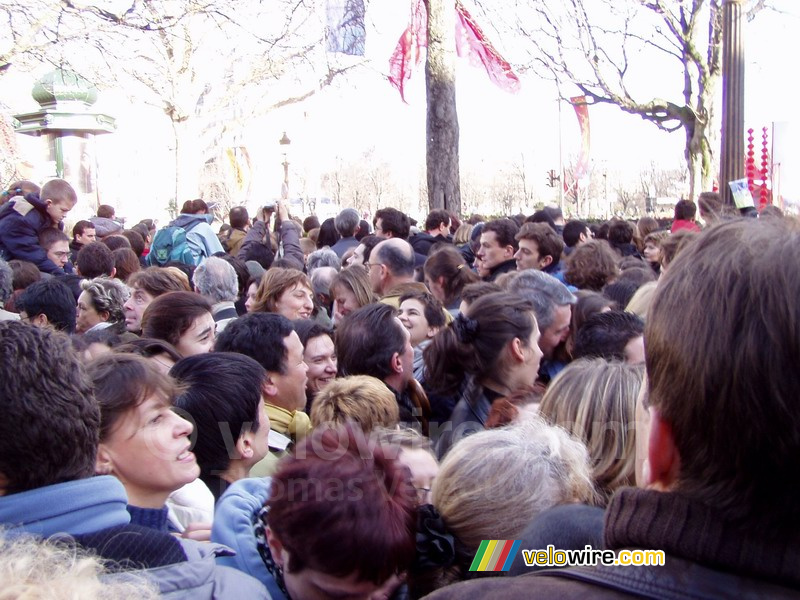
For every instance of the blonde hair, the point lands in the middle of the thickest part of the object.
(641, 300)
(32, 568)
(595, 401)
(463, 233)
(360, 398)
(492, 484)
(273, 284)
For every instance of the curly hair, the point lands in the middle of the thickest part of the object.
(591, 266)
(107, 296)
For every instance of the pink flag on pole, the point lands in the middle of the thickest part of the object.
(582, 112)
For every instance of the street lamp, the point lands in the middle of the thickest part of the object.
(284, 142)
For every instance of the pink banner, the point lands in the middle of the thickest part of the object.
(582, 112)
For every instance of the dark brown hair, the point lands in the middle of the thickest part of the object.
(170, 315)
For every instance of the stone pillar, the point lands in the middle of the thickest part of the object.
(732, 150)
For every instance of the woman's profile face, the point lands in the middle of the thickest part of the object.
(86, 315)
(345, 302)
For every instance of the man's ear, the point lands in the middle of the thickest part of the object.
(545, 261)
(662, 454)
(104, 465)
(268, 387)
(397, 363)
(244, 446)
(113, 272)
(510, 252)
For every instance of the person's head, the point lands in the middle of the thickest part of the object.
(238, 217)
(621, 291)
(710, 205)
(361, 399)
(83, 232)
(595, 400)
(116, 241)
(497, 244)
(591, 265)
(462, 234)
(95, 260)
(415, 452)
(25, 273)
(640, 303)
(673, 244)
(422, 315)
(194, 207)
(362, 252)
(106, 211)
(446, 274)
(613, 335)
(497, 342)
(309, 223)
(135, 241)
(56, 244)
(143, 443)
(651, 249)
(685, 210)
(144, 232)
(319, 353)
(101, 301)
(145, 287)
(481, 494)
(48, 303)
(576, 233)
(59, 198)
(340, 521)
(324, 257)
(328, 235)
(391, 223)
(51, 421)
(552, 303)
(540, 216)
(350, 289)
(539, 247)
(644, 227)
(216, 279)
(270, 339)
(620, 232)
(346, 222)
(473, 291)
(125, 263)
(22, 187)
(183, 319)
(162, 354)
(736, 283)
(391, 262)
(438, 222)
(286, 292)
(587, 304)
(372, 341)
(222, 394)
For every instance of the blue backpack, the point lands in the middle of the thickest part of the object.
(170, 245)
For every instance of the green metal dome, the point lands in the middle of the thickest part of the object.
(59, 86)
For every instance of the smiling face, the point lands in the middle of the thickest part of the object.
(149, 452)
(412, 316)
(320, 356)
(291, 385)
(199, 338)
(295, 303)
(86, 315)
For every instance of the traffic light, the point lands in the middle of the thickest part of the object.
(552, 178)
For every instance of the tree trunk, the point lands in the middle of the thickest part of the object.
(442, 118)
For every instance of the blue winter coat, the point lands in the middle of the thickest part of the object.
(21, 222)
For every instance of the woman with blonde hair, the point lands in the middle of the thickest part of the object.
(462, 235)
(595, 401)
(287, 292)
(350, 290)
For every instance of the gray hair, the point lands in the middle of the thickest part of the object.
(544, 291)
(321, 280)
(216, 279)
(493, 483)
(107, 295)
(324, 257)
(6, 281)
(346, 222)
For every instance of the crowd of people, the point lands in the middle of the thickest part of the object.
(291, 409)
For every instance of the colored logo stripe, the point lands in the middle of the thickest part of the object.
(495, 555)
